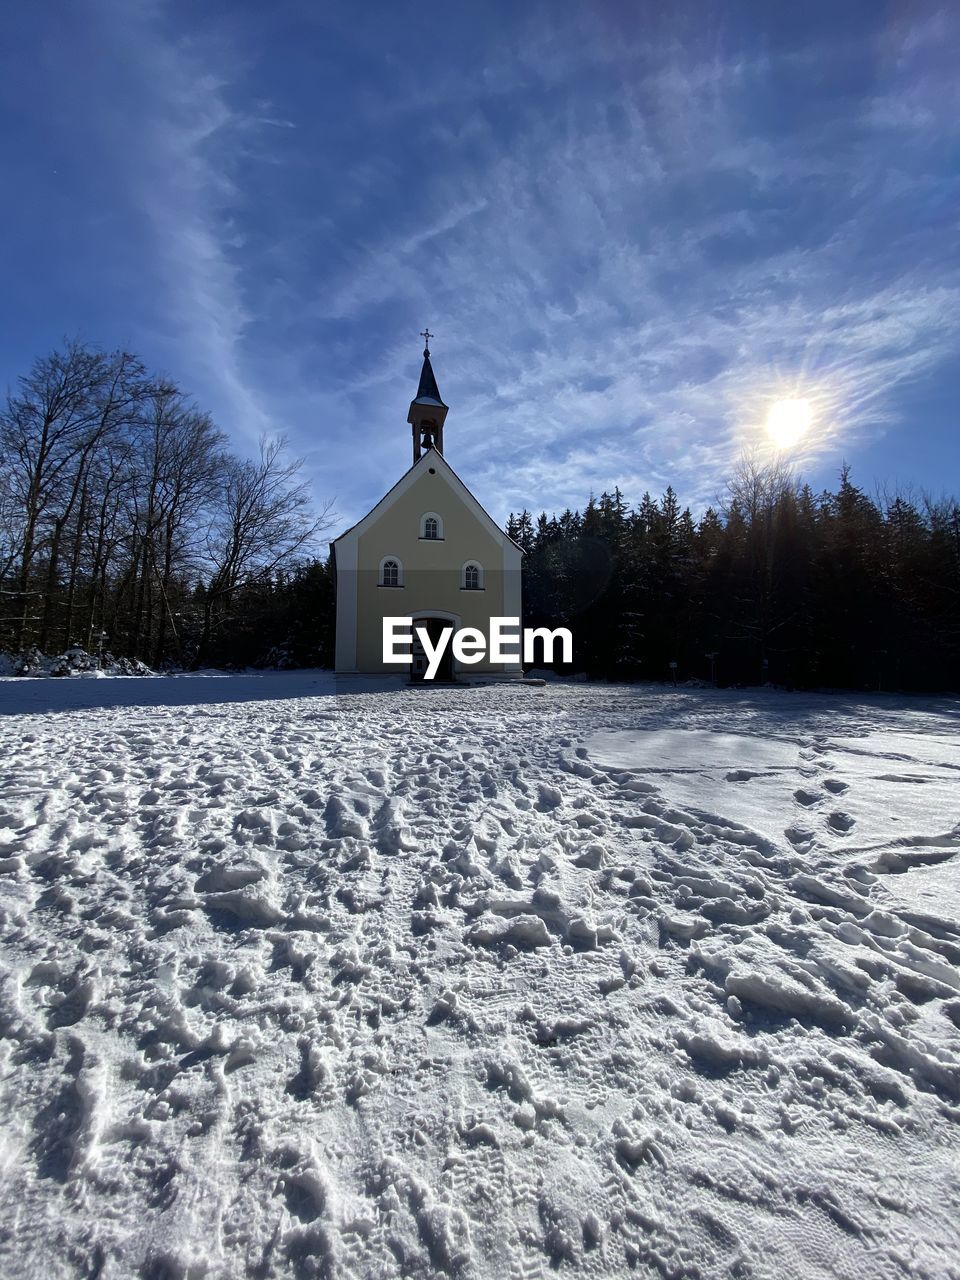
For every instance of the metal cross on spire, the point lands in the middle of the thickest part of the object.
(426, 335)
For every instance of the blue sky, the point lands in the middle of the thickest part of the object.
(631, 227)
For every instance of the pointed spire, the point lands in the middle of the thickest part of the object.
(428, 392)
(427, 410)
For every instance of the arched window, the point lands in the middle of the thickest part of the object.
(391, 572)
(431, 526)
(472, 576)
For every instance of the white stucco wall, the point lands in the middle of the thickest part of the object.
(432, 570)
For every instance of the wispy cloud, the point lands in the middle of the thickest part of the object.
(181, 146)
(637, 285)
(630, 237)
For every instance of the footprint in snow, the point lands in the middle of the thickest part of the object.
(807, 798)
(835, 786)
(841, 821)
(550, 798)
(801, 838)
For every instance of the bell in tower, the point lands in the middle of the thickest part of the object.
(427, 410)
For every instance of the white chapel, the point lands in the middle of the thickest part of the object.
(428, 551)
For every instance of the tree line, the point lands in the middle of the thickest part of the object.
(126, 523)
(773, 583)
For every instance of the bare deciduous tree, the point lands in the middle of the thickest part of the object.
(70, 403)
(121, 513)
(265, 523)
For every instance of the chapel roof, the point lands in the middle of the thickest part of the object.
(435, 459)
(428, 392)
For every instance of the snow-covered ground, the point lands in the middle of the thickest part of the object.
(482, 982)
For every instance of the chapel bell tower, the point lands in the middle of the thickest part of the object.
(427, 411)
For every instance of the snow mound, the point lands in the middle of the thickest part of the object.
(72, 662)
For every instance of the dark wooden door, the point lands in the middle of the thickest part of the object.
(433, 627)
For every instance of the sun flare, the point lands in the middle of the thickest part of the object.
(788, 422)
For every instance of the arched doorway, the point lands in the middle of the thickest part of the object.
(433, 624)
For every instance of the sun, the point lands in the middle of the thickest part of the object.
(788, 422)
